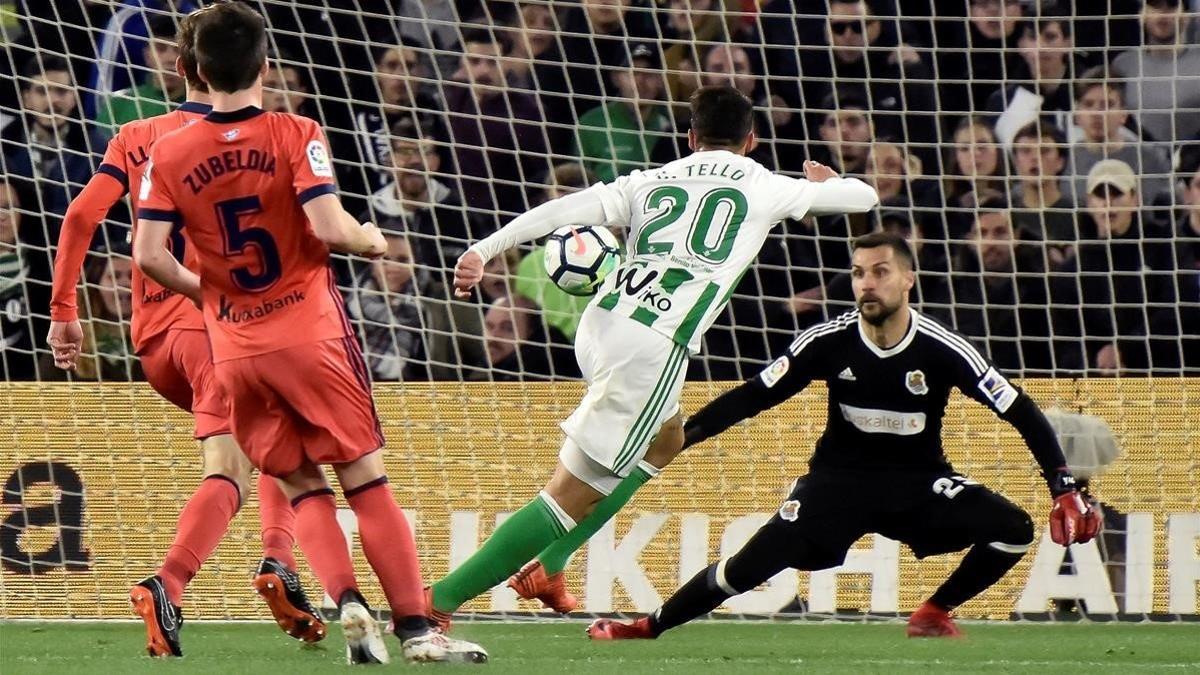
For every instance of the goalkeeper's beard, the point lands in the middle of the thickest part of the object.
(879, 312)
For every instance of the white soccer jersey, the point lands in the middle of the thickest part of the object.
(695, 225)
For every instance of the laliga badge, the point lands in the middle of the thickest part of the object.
(790, 510)
(915, 381)
(775, 372)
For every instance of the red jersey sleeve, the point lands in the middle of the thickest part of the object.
(155, 201)
(308, 154)
(83, 216)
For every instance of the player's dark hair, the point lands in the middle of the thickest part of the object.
(231, 46)
(186, 42)
(721, 116)
(888, 239)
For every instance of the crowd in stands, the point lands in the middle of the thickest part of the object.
(1042, 156)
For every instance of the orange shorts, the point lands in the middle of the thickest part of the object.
(309, 402)
(178, 365)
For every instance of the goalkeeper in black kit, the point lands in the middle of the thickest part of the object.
(879, 467)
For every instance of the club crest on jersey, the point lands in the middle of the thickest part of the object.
(775, 372)
(915, 381)
(790, 510)
(231, 134)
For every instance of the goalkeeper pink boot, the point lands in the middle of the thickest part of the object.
(932, 621)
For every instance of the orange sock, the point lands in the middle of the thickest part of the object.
(278, 521)
(202, 523)
(323, 543)
(387, 541)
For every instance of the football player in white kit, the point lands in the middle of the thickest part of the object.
(695, 224)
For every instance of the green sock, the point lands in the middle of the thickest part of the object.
(556, 555)
(512, 545)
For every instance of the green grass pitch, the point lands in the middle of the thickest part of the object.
(529, 648)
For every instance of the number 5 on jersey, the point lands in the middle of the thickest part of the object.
(238, 239)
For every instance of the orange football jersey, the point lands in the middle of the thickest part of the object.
(155, 309)
(236, 183)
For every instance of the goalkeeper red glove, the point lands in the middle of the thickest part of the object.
(1074, 519)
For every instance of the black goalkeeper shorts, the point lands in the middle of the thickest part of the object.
(932, 513)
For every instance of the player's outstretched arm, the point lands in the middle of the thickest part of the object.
(79, 226)
(341, 231)
(150, 253)
(1073, 520)
(833, 194)
(580, 208)
(744, 401)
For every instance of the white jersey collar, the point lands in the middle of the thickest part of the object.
(896, 348)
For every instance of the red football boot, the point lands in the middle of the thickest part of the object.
(532, 583)
(607, 629)
(932, 621)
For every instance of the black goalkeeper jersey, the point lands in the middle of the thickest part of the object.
(885, 405)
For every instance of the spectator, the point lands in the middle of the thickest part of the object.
(286, 89)
(519, 348)
(845, 131)
(974, 166)
(779, 129)
(633, 131)
(686, 26)
(1120, 282)
(1045, 45)
(367, 166)
(120, 46)
(496, 135)
(1187, 233)
(595, 35)
(535, 64)
(559, 309)
(499, 276)
(1041, 210)
(105, 310)
(434, 23)
(899, 84)
(1162, 77)
(1101, 115)
(416, 202)
(1187, 229)
(897, 176)
(17, 359)
(49, 152)
(1000, 293)
(410, 327)
(974, 62)
(161, 87)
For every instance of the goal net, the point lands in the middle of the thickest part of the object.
(1043, 159)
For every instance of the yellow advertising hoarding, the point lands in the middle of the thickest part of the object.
(95, 476)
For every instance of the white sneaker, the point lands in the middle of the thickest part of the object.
(436, 647)
(364, 644)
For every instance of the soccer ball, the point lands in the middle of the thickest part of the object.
(579, 258)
